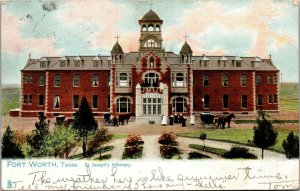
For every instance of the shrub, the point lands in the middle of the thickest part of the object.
(133, 149)
(196, 155)
(133, 140)
(291, 146)
(239, 152)
(169, 152)
(10, 147)
(101, 137)
(167, 139)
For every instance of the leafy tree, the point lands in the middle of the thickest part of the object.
(101, 137)
(291, 146)
(36, 139)
(203, 137)
(84, 122)
(10, 148)
(60, 142)
(264, 135)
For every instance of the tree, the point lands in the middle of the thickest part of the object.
(203, 137)
(84, 122)
(60, 142)
(291, 146)
(264, 135)
(10, 148)
(101, 137)
(36, 139)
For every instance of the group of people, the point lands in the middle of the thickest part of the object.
(177, 119)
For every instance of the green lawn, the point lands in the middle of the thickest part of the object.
(10, 99)
(289, 96)
(238, 136)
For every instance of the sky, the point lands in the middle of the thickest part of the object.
(89, 27)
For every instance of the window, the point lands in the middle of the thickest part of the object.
(25, 79)
(179, 105)
(275, 98)
(63, 64)
(238, 64)
(258, 80)
(151, 80)
(270, 99)
(224, 63)
(259, 99)
(150, 43)
(108, 79)
(123, 105)
(57, 80)
(75, 101)
(225, 101)
(180, 79)
(95, 101)
(152, 106)
(96, 64)
(41, 100)
(268, 79)
(76, 64)
(150, 27)
(151, 62)
(43, 64)
(224, 80)
(25, 99)
(205, 80)
(30, 79)
(206, 101)
(30, 99)
(108, 101)
(243, 80)
(42, 80)
(56, 102)
(76, 80)
(257, 64)
(244, 101)
(95, 80)
(205, 63)
(123, 79)
(274, 79)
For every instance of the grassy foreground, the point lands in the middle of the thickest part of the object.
(240, 136)
(289, 99)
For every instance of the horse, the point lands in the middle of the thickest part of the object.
(125, 117)
(225, 119)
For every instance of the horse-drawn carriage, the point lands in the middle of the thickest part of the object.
(213, 120)
(116, 121)
(207, 119)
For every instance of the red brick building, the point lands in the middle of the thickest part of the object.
(150, 82)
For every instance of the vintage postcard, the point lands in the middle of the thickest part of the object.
(149, 95)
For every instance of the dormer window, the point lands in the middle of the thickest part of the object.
(257, 64)
(238, 64)
(96, 64)
(76, 64)
(63, 64)
(43, 64)
(224, 63)
(205, 63)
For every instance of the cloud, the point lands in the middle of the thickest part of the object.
(14, 42)
(256, 17)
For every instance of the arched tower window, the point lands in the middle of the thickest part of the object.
(144, 28)
(151, 43)
(150, 27)
(157, 28)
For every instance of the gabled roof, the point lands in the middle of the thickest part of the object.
(96, 58)
(257, 60)
(223, 58)
(78, 58)
(44, 59)
(63, 59)
(205, 58)
(237, 58)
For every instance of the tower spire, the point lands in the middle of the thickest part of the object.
(185, 36)
(117, 37)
